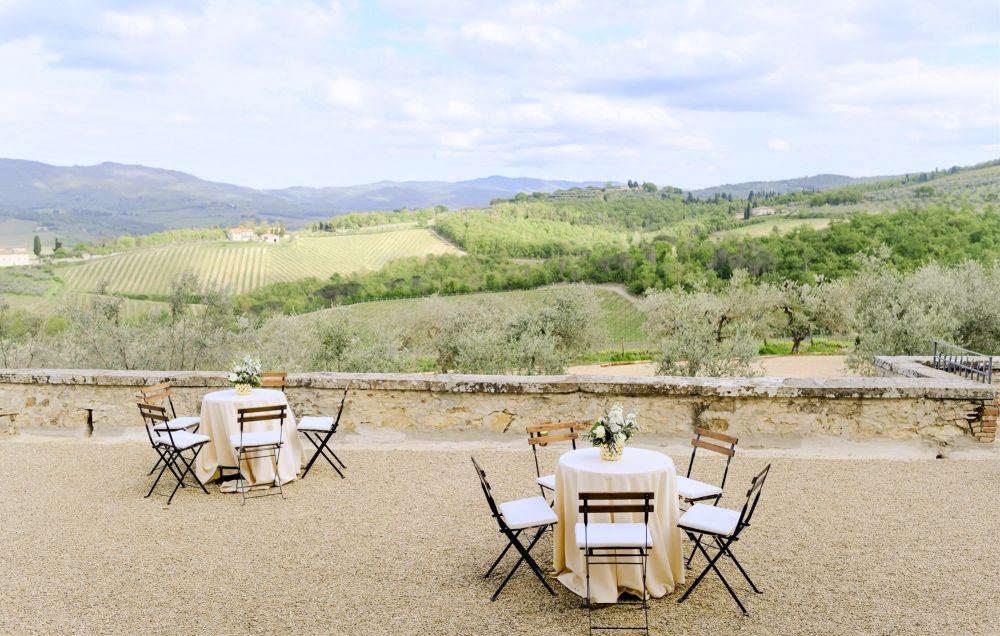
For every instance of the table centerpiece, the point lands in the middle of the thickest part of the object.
(245, 375)
(612, 431)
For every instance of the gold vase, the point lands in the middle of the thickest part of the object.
(611, 453)
(243, 389)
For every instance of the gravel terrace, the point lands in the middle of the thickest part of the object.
(839, 546)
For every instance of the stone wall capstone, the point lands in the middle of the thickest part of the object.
(765, 411)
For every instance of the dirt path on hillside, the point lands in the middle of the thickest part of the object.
(803, 366)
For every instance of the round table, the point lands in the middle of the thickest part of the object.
(219, 420)
(639, 470)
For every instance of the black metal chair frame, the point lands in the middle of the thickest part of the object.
(148, 395)
(539, 435)
(729, 452)
(626, 502)
(512, 539)
(260, 414)
(724, 542)
(171, 457)
(321, 440)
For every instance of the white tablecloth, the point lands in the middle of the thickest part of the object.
(639, 470)
(219, 420)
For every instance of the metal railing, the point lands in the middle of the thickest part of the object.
(963, 362)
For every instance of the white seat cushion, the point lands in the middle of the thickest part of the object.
(547, 481)
(527, 513)
(693, 489)
(261, 438)
(720, 521)
(181, 439)
(613, 535)
(316, 423)
(177, 424)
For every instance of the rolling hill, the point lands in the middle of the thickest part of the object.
(83, 203)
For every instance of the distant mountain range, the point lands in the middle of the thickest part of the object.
(80, 202)
(86, 202)
(784, 186)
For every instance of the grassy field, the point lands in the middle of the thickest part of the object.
(240, 267)
(19, 233)
(781, 224)
(619, 320)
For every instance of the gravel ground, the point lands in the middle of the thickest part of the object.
(839, 546)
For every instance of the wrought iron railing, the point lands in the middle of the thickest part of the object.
(963, 362)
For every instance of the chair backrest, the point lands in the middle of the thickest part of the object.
(340, 411)
(728, 451)
(543, 434)
(157, 393)
(624, 502)
(152, 415)
(275, 413)
(753, 496)
(274, 380)
(494, 510)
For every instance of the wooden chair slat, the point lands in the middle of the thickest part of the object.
(713, 447)
(722, 437)
(155, 387)
(613, 508)
(260, 409)
(260, 418)
(553, 426)
(615, 496)
(155, 397)
(545, 439)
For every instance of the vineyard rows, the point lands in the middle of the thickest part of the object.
(240, 267)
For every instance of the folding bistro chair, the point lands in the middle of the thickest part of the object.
(616, 543)
(258, 444)
(725, 527)
(156, 394)
(318, 430)
(274, 380)
(170, 446)
(692, 490)
(513, 517)
(544, 434)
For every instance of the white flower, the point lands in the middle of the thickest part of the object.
(232, 377)
(598, 432)
(615, 427)
(620, 439)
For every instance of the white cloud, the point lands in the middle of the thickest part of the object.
(345, 92)
(321, 93)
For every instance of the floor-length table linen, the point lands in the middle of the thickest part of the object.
(220, 420)
(639, 470)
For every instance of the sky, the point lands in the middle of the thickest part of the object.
(689, 94)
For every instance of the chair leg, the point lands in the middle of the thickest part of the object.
(712, 566)
(732, 556)
(321, 446)
(189, 470)
(645, 596)
(590, 611)
(500, 558)
(525, 557)
(277, 477)
(157, 480)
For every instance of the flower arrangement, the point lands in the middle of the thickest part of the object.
(612, 431)
(245, 375)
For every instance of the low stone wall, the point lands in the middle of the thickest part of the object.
(765, 411)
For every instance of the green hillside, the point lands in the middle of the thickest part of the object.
(240, 267)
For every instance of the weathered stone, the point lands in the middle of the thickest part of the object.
(780, 411)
